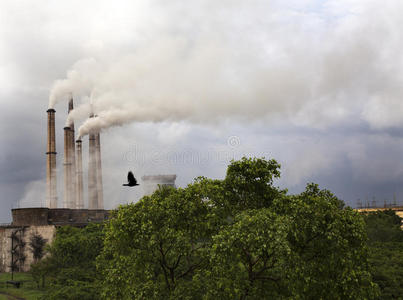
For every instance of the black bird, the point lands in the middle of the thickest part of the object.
(131, 181)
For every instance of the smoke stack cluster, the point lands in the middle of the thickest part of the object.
(51, 191)
(72, 167)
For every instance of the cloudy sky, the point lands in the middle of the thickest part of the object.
(183, 87)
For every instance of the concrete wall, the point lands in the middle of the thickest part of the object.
(25, 233)
(57, 216)
(42, 221)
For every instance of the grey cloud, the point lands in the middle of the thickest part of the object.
(333, 69)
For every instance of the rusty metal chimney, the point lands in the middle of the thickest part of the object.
(92, 171)
(79, 176)
(51, 190)
(100, 192)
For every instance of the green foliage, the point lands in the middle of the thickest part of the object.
(73, 290)
(70, 269)
(237, 238)
(386, 260)
(156, 245)
(384, 226)
(28, 290)
(248, 258)
(326, 242)
(386, 252)
(249, 183)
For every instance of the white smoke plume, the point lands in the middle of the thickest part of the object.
(79, 82)
(248, 61)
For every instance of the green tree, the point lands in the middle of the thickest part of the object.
(70, 266)
(328, 247)
(386, 252)
(248, 258)
(153, 247)
(249, 184)
(384, 226)
(237, 238)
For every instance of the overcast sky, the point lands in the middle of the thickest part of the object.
(183, 87)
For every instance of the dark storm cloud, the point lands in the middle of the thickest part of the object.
(348, 139)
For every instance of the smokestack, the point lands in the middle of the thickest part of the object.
(67, 202)
(79, 176)
(100, 192)
(72, 152)
(51, 191)
(92, 171)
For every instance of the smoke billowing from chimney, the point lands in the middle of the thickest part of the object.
(80, 81)
(300, 67)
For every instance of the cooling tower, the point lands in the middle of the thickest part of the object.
(92, 172)
(151, 183)
(100, 193)
(79, 176)
(51, 191)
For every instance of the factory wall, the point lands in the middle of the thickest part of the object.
(28, 222)
(23, 255)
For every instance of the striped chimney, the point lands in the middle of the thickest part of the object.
(51, 189)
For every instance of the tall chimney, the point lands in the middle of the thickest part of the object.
(100, 192)
(51, 191)
(79, 176)
(72, 152)
(67, 202)
(92, 171)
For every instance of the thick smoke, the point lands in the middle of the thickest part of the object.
(246, 62)
(79, 82)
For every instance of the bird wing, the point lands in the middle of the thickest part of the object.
(130, 177)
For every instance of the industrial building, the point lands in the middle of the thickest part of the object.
(15, 253)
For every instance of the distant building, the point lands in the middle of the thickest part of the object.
(15, 249)
(151, 183)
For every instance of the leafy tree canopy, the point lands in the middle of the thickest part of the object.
(70, 269)
(386, 252)
(236, 238)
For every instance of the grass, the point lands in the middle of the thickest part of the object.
(28, 290)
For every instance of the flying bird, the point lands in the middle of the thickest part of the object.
(131, 181)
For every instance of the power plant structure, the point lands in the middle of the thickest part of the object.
(31, 222)
(72, 167)
(152, 182)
